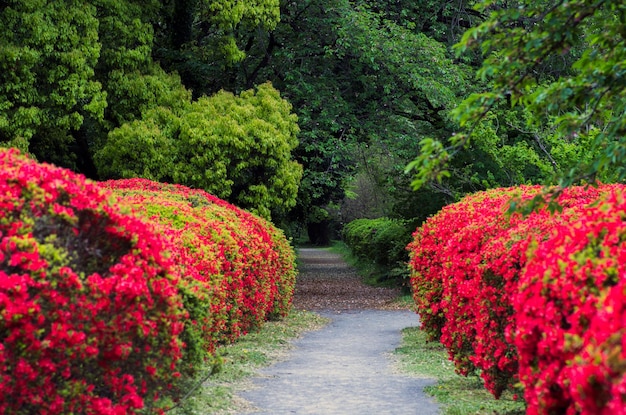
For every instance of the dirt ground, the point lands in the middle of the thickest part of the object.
(326, 282)
(346, 368)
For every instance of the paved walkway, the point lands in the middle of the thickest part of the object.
(346, 368)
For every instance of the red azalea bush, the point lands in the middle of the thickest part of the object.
(90, 311)
(504, 259)
(466, 264)
(446, 262)
(571, 315)
(238, 268)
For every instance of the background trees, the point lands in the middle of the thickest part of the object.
(364, 83)
(48, 58)
(175, 90)
(560, 65)
(83, 83)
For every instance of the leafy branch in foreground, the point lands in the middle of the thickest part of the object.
(564, 64)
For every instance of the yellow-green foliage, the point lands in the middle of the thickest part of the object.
(235, 147)
(228, 15)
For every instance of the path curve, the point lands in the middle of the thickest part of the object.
(345, 368)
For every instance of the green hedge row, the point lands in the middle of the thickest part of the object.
(381, 241)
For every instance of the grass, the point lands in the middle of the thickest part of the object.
(458, 395)
(242, 360)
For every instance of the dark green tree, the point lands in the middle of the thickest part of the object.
(207, 41)
(561, 63)
(355, 76)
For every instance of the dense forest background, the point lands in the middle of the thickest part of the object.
(309, 112)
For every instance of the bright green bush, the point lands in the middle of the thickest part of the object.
(238, 148)
(382, 241)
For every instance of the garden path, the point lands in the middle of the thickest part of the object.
(345, 368)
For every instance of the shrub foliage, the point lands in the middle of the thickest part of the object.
(382, 241)
(238, 147)
(109, 300)
(533, 299)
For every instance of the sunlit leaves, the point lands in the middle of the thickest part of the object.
(236, 147)
(48, 56)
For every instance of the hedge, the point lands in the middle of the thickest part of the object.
(504, 294)
(109, 300)
(235, 261)
(91, 316)
(571, 314)
(382, 241)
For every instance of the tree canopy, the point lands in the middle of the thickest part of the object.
(218, 93)
(562, 65)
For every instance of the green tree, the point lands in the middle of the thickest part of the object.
(206, 40)
(563, 64)
(236, 147)
(355, 75)
(73, 71)
(48, 56)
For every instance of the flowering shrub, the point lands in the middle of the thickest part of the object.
(90, 311)
(467, 263)
(445, 263)
(504, 260)
(238, 269)
(101, 311)
(571, 314)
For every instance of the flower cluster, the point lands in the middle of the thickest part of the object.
(509, 294)
(238, 268)
(110, 298)
(90, 315)
(570, 313)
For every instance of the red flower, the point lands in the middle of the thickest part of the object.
(535, 299)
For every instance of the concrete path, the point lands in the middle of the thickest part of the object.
(346, 368)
